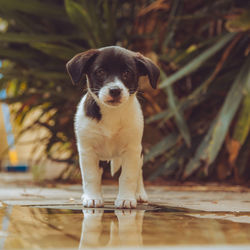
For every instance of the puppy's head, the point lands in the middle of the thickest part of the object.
(112, 73)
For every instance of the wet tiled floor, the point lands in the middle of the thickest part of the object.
(67, 226)
(34, 217)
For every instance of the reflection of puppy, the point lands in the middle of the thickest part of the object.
(109, 121)
(129, 227)
(91, 228)
(127, 232)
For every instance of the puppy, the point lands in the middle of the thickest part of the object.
(109, 121)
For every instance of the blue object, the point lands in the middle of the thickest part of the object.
(10, 136)
(6, 118)
(19, 168)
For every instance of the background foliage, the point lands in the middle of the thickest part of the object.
(197, 123)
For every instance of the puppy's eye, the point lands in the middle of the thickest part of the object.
(126, 75)
(101, 74)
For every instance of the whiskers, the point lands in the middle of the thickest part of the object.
(94, 90)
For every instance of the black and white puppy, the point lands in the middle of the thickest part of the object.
(109, 121)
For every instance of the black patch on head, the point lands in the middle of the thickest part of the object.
(103, 65)
(79, 64)
(91, 108)
(147, 67)
(113, 62)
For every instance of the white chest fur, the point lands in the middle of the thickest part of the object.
(119, 129)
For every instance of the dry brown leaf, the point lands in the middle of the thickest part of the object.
(155, 6)
(233, 148)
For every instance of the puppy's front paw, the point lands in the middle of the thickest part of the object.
(92, 202)
(125, 203)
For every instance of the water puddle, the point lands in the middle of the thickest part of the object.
(67, 226)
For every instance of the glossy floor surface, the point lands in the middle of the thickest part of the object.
(178, 217)
(67, 226)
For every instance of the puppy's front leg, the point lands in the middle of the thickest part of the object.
(128, 180)
(91, 177)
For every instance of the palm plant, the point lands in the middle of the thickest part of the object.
(205, 54)
(37, 39)
(200, 116)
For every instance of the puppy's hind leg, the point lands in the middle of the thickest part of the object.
(141, 195)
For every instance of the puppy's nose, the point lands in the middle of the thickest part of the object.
(115, 92)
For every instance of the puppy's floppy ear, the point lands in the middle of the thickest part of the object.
(79, 64)
(147, 67)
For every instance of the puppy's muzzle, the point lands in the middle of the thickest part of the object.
(115, 93)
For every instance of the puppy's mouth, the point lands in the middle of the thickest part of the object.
(113, 101)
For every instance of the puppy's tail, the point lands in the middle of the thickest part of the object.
(115, 165)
